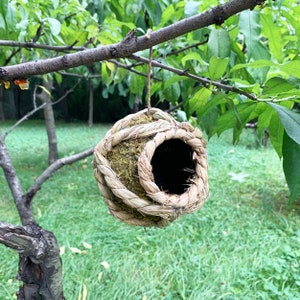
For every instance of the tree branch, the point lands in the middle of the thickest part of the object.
(37, 108)
(130, 44)
(34, 45)
(23, 119)
(176, 52)
(130, 68)
(53, 168)
(14, 184)
(79, 75)
(206, 82)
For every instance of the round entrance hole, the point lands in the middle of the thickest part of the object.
(173, 166)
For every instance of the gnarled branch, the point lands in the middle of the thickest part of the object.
(40, 266)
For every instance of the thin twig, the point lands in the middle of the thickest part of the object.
(14, 53)
(37, 108)
(38, 34)
(71, 90)
(79, 75)
(131, 68)
(23, 119)
(176, 52)
(32, 45)
(206, 82)
(53, 168)
(34, 96)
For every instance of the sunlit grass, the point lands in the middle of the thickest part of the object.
(242, 244)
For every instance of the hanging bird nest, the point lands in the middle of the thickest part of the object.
(151, 169)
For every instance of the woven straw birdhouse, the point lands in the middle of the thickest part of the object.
(151, 169)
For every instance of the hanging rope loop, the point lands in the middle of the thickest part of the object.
(149, 81)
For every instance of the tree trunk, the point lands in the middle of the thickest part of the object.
(2, 116)
(91, 103)
(50, 122)
(40, 266)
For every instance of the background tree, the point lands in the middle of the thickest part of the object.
(226, 76)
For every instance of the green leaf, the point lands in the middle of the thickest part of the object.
(256, 64)
(105, 74)
(213, 102)
(173, 79)
(2, 22)
(117, 9)
(236, 118)
(11, 16)
(292, 19)
(290, 121)
(264, 120)
(276, 86)
(54, 26)
(276, 134)
(199, 99)
(217, 67)
(3, 7)
(261, 52)
(156, 87)
(172, 93)
(191, 8)
(167, 15)
(106, 38)
(136, 84)
(58, 77)
(191, 56)
(271, 30)
(154, 10)
(292, 68)
(219, 43)
(291, 165)
(209, 120)
(250, 27)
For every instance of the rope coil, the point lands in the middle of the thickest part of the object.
(137, 189)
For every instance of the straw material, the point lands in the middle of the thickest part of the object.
(124, 169)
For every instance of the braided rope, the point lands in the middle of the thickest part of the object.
(157, 208)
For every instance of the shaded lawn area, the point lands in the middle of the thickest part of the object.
(244, 243)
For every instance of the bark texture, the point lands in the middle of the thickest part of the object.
(45, 96)
(40, 266)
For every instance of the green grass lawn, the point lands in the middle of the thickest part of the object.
(244, 243)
